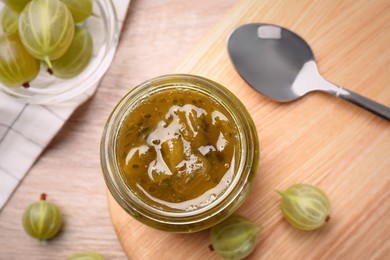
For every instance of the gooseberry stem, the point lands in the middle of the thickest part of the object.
(211, 248)
(46, 59)
(43, 196)
(26, 85)
(327, 218)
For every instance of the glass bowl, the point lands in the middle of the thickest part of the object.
(222, 204)
(47, 89)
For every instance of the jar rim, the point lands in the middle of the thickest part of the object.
(247, 160)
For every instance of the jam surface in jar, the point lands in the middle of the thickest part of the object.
(178, 149)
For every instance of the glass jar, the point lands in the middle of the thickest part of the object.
(47, 89)
(227, 202)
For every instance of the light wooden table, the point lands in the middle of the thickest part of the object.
(157, 35)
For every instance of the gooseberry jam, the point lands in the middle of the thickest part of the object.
(177, 149)
(179, 153)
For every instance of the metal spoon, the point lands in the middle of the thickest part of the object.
(280, 65)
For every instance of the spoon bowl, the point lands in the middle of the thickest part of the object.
(280, 65)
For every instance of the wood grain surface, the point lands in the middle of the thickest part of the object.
(157, 35)
(318, 139)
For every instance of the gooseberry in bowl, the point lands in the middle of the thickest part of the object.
(98, 32)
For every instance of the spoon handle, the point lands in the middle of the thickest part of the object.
(312, 76)
(364, 102)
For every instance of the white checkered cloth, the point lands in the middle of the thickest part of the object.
(25, 130)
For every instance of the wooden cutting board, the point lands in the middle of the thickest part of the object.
(319, 139)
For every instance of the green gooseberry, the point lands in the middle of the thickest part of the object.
(304, 206)
(46, 29)
(234, 238)
(76, 58)
(42, 220)
(16, 5)
(80, 9)
(9, 20)
(17, 66)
